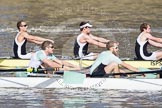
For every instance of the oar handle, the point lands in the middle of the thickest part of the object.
(44, 69)
(29, 70)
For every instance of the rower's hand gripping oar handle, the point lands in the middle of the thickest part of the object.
(29, 69)
(38, 70)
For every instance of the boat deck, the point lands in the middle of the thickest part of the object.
(151, 82)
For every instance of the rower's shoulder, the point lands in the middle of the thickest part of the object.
(24, 34)
(145, 34)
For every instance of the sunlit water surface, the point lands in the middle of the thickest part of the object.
(78, 98)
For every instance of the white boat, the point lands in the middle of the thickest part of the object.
(87, 83)
(90, 83)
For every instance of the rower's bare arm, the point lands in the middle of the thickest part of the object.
(92, 41)
(42, 39)
(153, 38)
(129, 67)
(51, 63)
(36, 39)
(100, 39)
(156, 44)
(69, 64)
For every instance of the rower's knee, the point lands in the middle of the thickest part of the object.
(111, 67)
(114, 64)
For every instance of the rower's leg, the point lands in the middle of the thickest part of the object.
(90, 56)
(158, 55)
(113, 67)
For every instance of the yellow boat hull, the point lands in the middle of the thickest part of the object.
(13, 63)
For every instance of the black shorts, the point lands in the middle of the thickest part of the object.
(99, 71)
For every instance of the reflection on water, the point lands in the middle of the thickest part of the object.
(66, 98)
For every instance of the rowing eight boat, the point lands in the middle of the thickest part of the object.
(82, 81)
(72, 80)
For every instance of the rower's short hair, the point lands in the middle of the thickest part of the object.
(46, 44)
(143, 26)
(110, 44)
(19, 24)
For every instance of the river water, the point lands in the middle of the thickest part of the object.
(78, 98)
(59, 20)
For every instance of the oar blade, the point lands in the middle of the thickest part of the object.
(21, 74)
(71, 77)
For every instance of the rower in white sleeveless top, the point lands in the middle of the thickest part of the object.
(142, 42)
(85, 38)
(22, 38)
